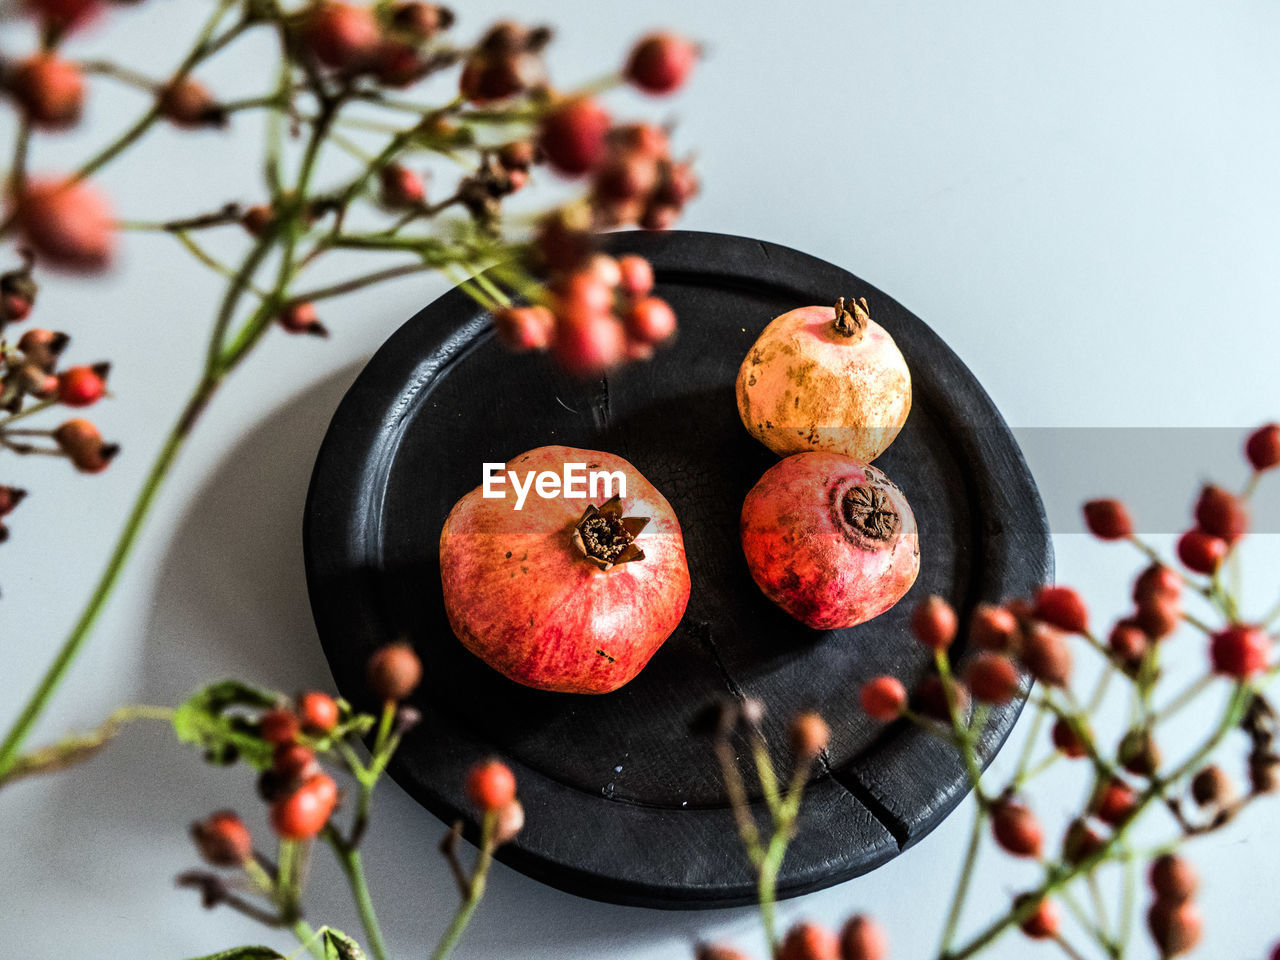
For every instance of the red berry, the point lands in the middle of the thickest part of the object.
(588, 345)
(1016, 829)
(396, 64)
(491, 785)
(394, 672)
(637, 275)
(582, 294)
(1176, 928)
(341, 35)
(189, 104)
(1240, 651)
(69, 224)
(304, 812)
(884, 698)
(1211, 787)
(82, 386)
(660, 63)
(651, 320)
(64, 14)
(1042, 922)
(1129, 642)
(401, 187)
(525, 328)
(1200, 551)
(1263, 447)
(573, 136)
(43, 347)
(318, 712)
(1067, 741)
(934, 623)
(1061, 607)
(1108, 519)
(10, 497)
(641, 138)
(1139, 753)
(1221, 513)
(258, 219)
(863, 939)
(993, 628)
(301, 318)
(1046, 655)
(1173, 878)
(1159, 618)
(222, 839)
(1080, 843)
(1157, 582)
(808, 941)
(50, 90)
(279, 727)
(808, 734)
(294, 762)
(1115, 803)
(517, 155)
(992, 678)
(80, 441)
(931, 699)
(628, 176)
(715, 951)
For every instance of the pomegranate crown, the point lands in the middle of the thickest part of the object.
(852, 317)
(606, 537)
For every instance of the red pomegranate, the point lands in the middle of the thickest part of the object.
(571, 594)
(829, 539)
(814, 382)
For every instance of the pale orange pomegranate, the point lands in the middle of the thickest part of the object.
(818, 381)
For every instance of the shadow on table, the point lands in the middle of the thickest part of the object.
(230, 601)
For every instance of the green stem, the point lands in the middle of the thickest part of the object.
(767, 887)
(475, 891)
(309, 938)
(966, 877)
(72, 645)
(353, 867)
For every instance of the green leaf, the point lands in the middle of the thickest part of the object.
(211, 719)
(245, 953)
(338, 946)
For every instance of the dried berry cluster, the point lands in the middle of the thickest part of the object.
(31, 382)
(345, 94)
(298, 746)
(1040, 639)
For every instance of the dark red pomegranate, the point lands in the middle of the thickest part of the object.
(829, 539)
(571, 594)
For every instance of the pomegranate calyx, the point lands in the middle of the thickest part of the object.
(606, 537)
(851, 319)
(869, 511)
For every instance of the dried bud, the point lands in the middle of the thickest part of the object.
(1108, 519)
(80, 441)
(10, 497)
(1263, 447)
(863, 939)
(934, 623)
(930, 699)
(222, 839)
(1042, 922)
(301, 318)
(394, 672)
(1016, 829)
(421, 20)
(510, 821)
(1173, 878)
(1264, 773)
(1221, 513)
(1211, 787)
(994, 628)
(189, 104)
(1046, 655)
(17, 293)
(1080, 843)
(43, 347)
(808, 941)
(1176, 928)
(1139, 754)
(715, 951)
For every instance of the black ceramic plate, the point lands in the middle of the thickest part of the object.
(623, 803)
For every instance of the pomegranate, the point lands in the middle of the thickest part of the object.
(811, 382)
(830, 540)
(564, 593)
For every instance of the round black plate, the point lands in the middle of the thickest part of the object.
(623, 803)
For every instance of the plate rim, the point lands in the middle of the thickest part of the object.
(376, 403)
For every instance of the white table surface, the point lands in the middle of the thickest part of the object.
(1081, 198)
